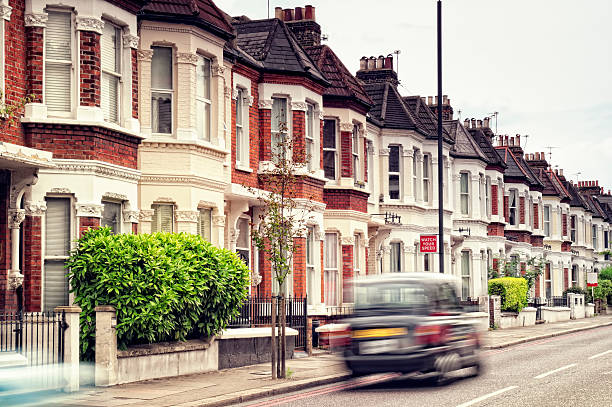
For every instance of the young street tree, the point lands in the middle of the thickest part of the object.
(283, 217)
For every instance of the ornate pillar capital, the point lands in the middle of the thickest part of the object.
(15, 217)
(36, 19)
(35, 208)
(89, 210)
(145, 55)
(130, 41)
(89, 24)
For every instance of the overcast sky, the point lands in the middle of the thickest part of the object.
(544, 65)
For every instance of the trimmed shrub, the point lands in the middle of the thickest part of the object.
(605, 273)
(165, 287)
(512, 290)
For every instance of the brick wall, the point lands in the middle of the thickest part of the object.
(494, 200)
(90, 69)
(134, 83)
(536, 216)
(293, 80)
(84, 143)
(347, 199)
(565, 278)
(346, 156)
(506, 209)
(537, 241)
(347, 273)
(299, 267)
(495, 229)
(32, 262)
(298, 133)
(86, 223)
(265, 141)
(519, 236)
(564, 222)
(522, 210)
(303, 187)
(537, 287)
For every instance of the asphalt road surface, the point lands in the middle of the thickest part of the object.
(567, 370)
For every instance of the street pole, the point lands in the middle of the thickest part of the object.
(440, 141)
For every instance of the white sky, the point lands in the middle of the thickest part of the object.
(544, 65)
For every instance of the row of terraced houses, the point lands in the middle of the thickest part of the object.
(149, 116)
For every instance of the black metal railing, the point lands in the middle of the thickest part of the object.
(469, 304)
(38, 336)
(257, 311)
(556, 302)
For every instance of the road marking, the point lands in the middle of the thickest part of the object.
(600, 354)
(554, 371)
(486, 396)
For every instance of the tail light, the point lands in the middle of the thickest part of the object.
(430, 334)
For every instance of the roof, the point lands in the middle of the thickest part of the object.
(465, 146)
(343, 83)
(552, 185)
(203, 13)
(517, 167)
(275, 46)
(485, 144)
(425, 118)
(594, 206)
(576, 199)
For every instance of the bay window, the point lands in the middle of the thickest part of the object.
(394, 172)
(161, 90)
(426, 162)
(464, 192)
(329, 148)
(58, 62)
(547, 220)
(330, 263)
(512, 207)
(111, 216)
(414, 174)
(203, 102)
(110, 45)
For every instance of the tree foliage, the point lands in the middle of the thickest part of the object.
(512, 290)
(164, 287)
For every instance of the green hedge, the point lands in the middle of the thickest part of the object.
(512, 290)
(605, 273)
(165, 287)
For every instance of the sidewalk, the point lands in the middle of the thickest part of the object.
(233, 386)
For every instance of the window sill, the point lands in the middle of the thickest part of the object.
(243, 169)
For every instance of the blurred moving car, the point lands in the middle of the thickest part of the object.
(408, 323)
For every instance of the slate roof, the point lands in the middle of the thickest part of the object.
(594, 206)
(275, 46)
(465, 146)
(389, 110)
(203, 13)
(517, 167)
(576, 198)
(343, 83)
(552, 185)
(485, 144)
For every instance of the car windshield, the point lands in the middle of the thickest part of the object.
(390, 295)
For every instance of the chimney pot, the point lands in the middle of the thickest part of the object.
(518, 139)
(372, 63)
(466, 123)
(537, 156)
(278, 13)
(309, 13)
(597, 183)
(288, 14)
(473, 123)
(445, 99)
(561, 171)
(436, 99)
(479, 123)
(423, 99)
(389, 62)
(363, 63)
(506, 140)
(298, 13)
(430, 101)
(380, 62)
(486, 122)
(542, 156)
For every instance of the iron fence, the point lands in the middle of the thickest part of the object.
(256, 312)
(469, 304)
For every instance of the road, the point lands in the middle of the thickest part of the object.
(573, 369)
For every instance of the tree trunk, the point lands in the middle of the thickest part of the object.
(273, 337)
(282, 335)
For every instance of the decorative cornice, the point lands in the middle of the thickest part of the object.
(89, 210)
(218, 220)
(408, 152)
(218, 70)
(186, 216)
(265, 104)
(215, 185)
(130, 41)
(35, 208)
(15, 217)
(96, 168)
(114, 195)
(131, 216)
(89, 24)
(187, 58)
(347, 240)
(345, 126)
(5, 12)
(59, 191)
(36, 20)
(146, 215)
(301, 106)
(145, 55)
(206, 150)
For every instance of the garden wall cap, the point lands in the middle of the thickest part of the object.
(69, 308)
(235, 333)
(105, 308)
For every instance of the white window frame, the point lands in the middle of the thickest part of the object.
(466, 275)
(119, 221)
(162, 91)
(371, 172)
(205, 211)
(204, 102)
(488, 196)
(309, 141)
(464, 195)
(53, 257)
(545, 222)
(275, 133)
(574, 282)
(594, 236)
(513, 209)
(333, 150)
(355, 153)
(395, 246)
(426, 177)
(415, 175)
(72, 62)
(573, 220)
(156, 221)
(246, 249)
(242, 139)
(331, 271)
(548, 287)
(117, 75)
(397, 173)
(310, 265)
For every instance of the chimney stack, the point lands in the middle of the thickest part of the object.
(377, 70)
(380, 62)
(445, 100)
(561, 171)
(466, 123)
(518, 140)
(479, 122)
(363, 63)
(302, 22)
(486, 122)
(506, 139)
(430, 101)
(473, 123)
(278, 13)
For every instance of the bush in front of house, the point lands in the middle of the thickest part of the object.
(165, 287)
(512, 290)
(605, 273)
(577, 290)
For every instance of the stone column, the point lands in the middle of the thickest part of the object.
(145, 220)
(130, 82)
(144, 89)
(106, 346)
(131, 218)
(71, 347)
(218, 232)
(408, 156)
(185, 97)
(222, 107)
(16, 217)
(384, 165)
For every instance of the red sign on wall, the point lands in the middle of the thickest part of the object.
(428, 244)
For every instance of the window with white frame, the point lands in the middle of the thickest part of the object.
(310, 137)
(512, 207)
(530, 221)
(310, 265)
(241, 140)
(355, 152)
(415, 179)
(574, 275)
(394, 172)
(163, 218)
(371, 171)
(488, 196)
(329, 148)
(594, 232)
(573, 222)
(466, 274)
(426, 181)
(481, 185)
(243, 243)
(356, 257)
(205, 223)
(110, 45)
(279, 128)
(464, 192)
(57, 250)
(396, 257)
(111, 216)
(203, 99)
(547, 280)
(58, 62)
(606, 241)
(547, 220)
(330, 263)
(426, 261)
(161, 90)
